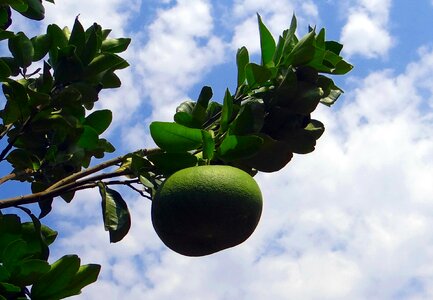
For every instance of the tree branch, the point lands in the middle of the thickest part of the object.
(73, 182)
(99, 167)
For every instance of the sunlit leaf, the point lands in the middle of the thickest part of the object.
(267, 44)
(117, 219)
(174, 137)
(115, 45)
(227, 111)
(57, 279)
(99, 120)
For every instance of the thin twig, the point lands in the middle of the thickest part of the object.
(112, 162)
(14, 175)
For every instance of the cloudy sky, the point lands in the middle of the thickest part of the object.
(352, 220)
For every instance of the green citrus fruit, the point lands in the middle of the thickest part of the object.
(201, 210)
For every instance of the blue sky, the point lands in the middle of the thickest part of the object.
(352, 220)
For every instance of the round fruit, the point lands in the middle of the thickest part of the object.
(201, 210)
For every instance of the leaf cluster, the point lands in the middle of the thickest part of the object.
(24, 269)
(45, 119)
(268, 118)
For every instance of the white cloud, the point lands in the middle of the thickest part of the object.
(366, 32)
(180, 50)
(111, 14)
(362, 35)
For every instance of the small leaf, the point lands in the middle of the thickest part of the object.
(303, 51)
(35, 10)
(250, 118)
(303, 140)
(115, 45)
(168, 163)
(104, 62)
(57, 279)
(29, 271)
(78, 37)
(267, 44)
(117, 219)
(199, 110)
(89, 138)
(99, 120)
(236, 147)
(174, 137)
(256, 75)
(242, 59)
(272, 156)
(22, 49)
(41, 45)
(86, 275)
(208, 144)
(227, 111)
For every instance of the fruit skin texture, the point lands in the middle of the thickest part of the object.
(201, 210)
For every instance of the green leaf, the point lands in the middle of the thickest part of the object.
(45, 207)
(93, 44)
(78, 37)
(199, 110)
(227, 111)
(303, 140)
(110, 81)
(4, 274)
(236, 147)
(272, 156)
(257, 75)
(20, 159)
(35, 10)
(89, 138)
(8, 289)
(104, 62)
(250, 118)
(30, 271)
(208, 144)
(57, 36)
(86, 275)
(4, 35)
(5, 71)
(304, 50)
(41, 45)
(99, 120)
(22, 49)
(115, 45)
(183, 115)
(14, 68)
(173, 137)
(17, 108)
(57, 279)
(168, 163)
(117, 219)
(267, 44)
(242, 59)
(139, 164)
(13, 253)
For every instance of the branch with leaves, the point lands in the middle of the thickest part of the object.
(53, 133)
